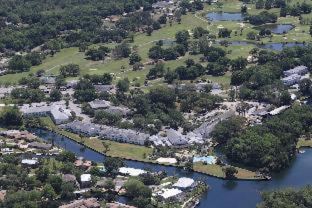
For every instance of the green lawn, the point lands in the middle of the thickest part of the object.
(304, 143)
(216, 170)
(144, 42)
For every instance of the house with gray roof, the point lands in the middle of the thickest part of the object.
(300, 70)
(99, 104)
(291, 80)
(104, 88)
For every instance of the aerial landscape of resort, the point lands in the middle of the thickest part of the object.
(156, 104)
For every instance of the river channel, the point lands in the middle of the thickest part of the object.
(223, 193)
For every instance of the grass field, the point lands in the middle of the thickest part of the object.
(216, 170)
(304, 143)
(121, 68)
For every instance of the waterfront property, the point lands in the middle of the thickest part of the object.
(293, 76)
(107, 132)
(58, 111)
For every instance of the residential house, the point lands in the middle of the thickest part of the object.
(300, 70)
(29, 162)
(85, 180)
(171, 194)
(42, 146)
(118, 205)
(70, 179)
(57, 111)
(99, 104)
(83, 203)
(2, 195)
(5, 92)
(184, 183)
(291, 80)
(104, 88)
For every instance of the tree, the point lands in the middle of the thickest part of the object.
(287, 198)
(170, 76)
(135, 188)
(228, 129)
(224, 33)
(134, 58)
(305, 87)
(11, 117)
(230, 172)
(156, 72)
(55, 95)
(70, 70)
(48, 192)
(285, 98)
(244, 9)
(112, 165)
(109, 185)
(67, 192)
(155, 52)
(182, 37)
(56, 182)
(121, 51)
(163, 95)
(19, 64)
(123, 85)
(238, 63)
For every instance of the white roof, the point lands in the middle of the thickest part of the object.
(167, 160)
(131, 171)
(29, 161)
(85, 177)
(184, 182)
(167, 193)
(279, 110)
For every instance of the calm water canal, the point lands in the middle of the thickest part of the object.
(223, 194)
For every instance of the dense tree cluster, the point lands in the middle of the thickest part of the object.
(287, 198)
(31, 23)
(70, 70)
(296, 9)
(272, 145)
(268, 4)
(262, 18)
(44, 187)
(97, 54)
(20, 63)
(262, 82)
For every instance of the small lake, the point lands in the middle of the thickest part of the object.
(272, 46)
(223, 193)
(225, 16)
(277, 28)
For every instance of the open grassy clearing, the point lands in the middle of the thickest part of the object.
(121, 68)
(304, 143)
(216, 170)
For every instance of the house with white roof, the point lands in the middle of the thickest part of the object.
(85, 180)
(300, 70)
(170, 194)
(184, 183)
(57, 111)
(131, 171)
(30, 162)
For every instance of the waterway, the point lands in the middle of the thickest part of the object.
(223, 193)
(277, 28)
(271, 46)
(225, 16)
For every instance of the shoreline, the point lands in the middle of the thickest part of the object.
(197, 170)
